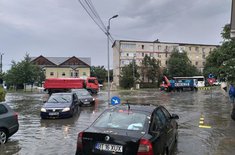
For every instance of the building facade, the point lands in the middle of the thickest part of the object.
(126, 51)
(63, 67)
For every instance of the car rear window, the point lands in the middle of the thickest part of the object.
(121, 119)
(3, 109)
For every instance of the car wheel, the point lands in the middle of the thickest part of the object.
(3, 136)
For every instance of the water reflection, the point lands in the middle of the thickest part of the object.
(37, 136)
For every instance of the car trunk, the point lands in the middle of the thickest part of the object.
(118, 142)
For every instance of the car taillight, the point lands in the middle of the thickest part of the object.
(16, 115)
(145, 147)
(79, 140)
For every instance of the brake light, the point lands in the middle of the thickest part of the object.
(79, 140)
(16, 115)
(145, 147)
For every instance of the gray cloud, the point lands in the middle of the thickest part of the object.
(62, 28)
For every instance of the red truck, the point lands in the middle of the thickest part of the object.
(64, 84)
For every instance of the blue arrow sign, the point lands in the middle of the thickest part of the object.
(115, 100)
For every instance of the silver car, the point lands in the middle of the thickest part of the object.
(9, 124)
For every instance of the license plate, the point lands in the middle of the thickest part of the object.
(53, 113)
(108, 147)
(86, 103)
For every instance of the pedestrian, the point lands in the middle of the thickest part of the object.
(232, 93)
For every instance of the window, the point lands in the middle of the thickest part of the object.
(63, 74)
(159, 47)
(71, 73)
(127, 46)
(189, 48)
(203, 63)
(142, 54)
(156, 123)
(161, 116)
(203, 50)
(197, 49)
(142, 46)
(3, 109)
(166, 113)
(166, 55)
(76, 74)
(196, 63)
(166, 62)
(127, 54)
(51, 73)
(84, 73)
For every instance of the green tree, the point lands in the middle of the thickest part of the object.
(128, 75)
(23, 73)
(180, 65)
(100, 72)
(150, 69)
(221, 62)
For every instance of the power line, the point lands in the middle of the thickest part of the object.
(91, 11)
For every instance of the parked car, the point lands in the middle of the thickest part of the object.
(9, 124)
(130, 130)
(84, 96)
(60, 105)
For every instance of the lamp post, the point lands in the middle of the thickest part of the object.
(108, 28)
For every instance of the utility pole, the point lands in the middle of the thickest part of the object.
(1, 62)
(107, 33)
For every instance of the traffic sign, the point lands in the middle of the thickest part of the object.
(115, 100)
(210, 76)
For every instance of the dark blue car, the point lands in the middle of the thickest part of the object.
(130, 130)
(60, 105)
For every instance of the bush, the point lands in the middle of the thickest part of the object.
(2, 94)
(148, 85)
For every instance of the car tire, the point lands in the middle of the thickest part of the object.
(3, 136)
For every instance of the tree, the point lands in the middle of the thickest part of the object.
(100, 72)
(180, 65)
(221, 62)
(127, 80)
(23, 73)
(150, 69)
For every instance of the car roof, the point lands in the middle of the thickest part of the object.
(142, 107)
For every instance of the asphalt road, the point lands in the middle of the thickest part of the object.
(205, 125)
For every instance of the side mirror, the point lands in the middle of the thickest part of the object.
(44, 101)
(174, 116)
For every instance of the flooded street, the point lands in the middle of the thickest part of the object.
(58, 137)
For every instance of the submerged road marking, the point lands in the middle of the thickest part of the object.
(204, 126)
(201, 123)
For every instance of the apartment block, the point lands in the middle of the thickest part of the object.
(126, 51)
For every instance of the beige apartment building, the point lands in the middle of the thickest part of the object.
(126, 51)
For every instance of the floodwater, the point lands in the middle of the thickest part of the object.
(58, 136)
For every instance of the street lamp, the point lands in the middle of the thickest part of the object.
(108, 28)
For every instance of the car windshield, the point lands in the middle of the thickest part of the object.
(60, 98)
(121, 119)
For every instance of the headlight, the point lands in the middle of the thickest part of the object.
(66, 109)
(43, 110)
(93, 99)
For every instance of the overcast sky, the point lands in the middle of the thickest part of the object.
(62, 28)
